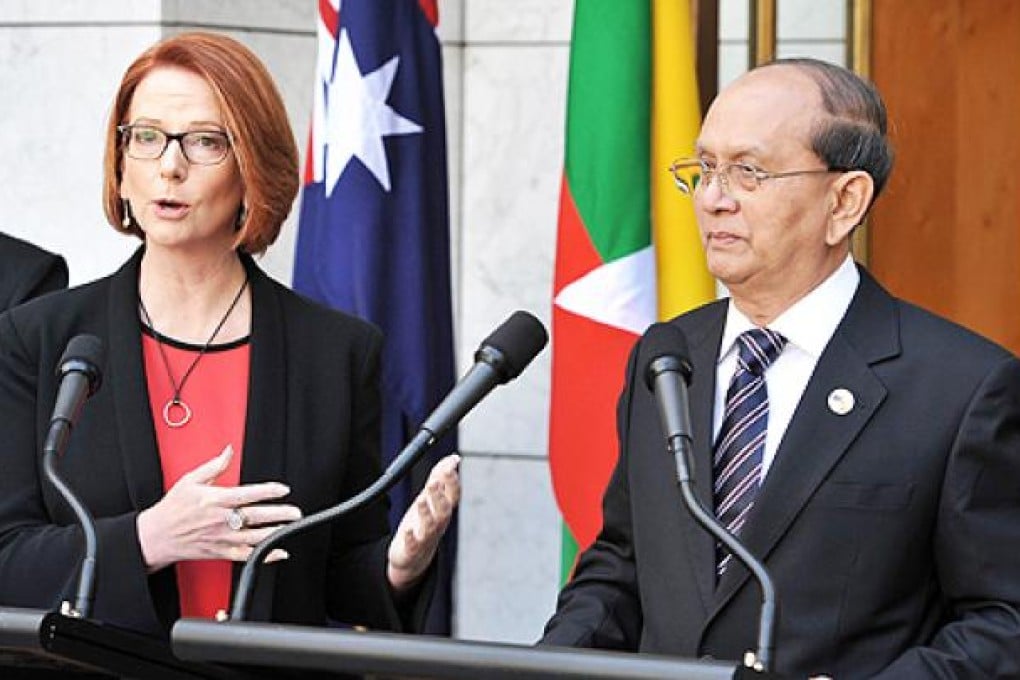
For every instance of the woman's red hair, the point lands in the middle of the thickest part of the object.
(255, 118)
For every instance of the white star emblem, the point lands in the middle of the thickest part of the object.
(358, 117)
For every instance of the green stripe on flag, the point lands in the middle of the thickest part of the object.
(607, 155)
(568, 555)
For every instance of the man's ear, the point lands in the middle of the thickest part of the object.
(851, 193)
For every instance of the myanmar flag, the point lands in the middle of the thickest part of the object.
(628, 249)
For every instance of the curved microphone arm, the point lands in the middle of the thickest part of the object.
(499, 359)
(87, 577)
(681, 447)
(245, 584)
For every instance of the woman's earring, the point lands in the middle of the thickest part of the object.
(126, 220)
(242, 215)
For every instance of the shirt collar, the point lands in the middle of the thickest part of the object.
(810, 322)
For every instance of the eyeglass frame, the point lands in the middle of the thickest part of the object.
(722, 172)
(125, 131)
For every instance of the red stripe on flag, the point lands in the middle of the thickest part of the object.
(309, 167)
(575, 253)
(431, 10)
(330, 17)
(588, 363)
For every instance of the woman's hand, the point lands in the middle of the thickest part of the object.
(417, 538)
(197, 520)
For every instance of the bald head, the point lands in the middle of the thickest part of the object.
(773, 107)
(849, 127)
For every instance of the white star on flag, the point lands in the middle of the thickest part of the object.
(358, 117)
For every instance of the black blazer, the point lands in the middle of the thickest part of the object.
(312, 423)
(892, 532)
(27, 271)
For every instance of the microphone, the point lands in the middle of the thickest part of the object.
(499, 359)
(667, 374)
(80, 376)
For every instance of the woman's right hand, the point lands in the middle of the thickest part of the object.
(193, 520)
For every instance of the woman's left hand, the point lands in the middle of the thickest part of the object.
(417, 538)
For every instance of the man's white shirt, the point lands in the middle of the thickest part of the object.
(808, 326)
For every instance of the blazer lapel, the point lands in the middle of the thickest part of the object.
(139, 453)
(704, 348)
(817, 437)
(263, 459)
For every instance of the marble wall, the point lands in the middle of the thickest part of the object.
(505, 79)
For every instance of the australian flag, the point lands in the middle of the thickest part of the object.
(373, 237)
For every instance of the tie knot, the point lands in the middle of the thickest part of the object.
(758, 348)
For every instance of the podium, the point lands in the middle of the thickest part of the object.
(348, 653)
(40, 643)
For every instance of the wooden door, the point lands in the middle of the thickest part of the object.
(946, 232)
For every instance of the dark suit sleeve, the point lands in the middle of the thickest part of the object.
(600, 607)
(359, 591)
(39, 558)
(977, 543)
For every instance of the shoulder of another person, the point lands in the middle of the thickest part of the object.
(19, 259)
(13, 250)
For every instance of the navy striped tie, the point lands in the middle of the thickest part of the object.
(740, 445)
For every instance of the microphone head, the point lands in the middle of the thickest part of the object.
(516, 342)
(85, 354)
(665, 348)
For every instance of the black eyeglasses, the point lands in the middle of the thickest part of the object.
(690, 174)
(200, 147)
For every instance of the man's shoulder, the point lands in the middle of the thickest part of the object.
(700, 318)
(921, 328)
(14, 250)
(878, 319)
(27, 270)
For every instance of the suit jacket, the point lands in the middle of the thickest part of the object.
(892, 532)
(312, 423)
(27, 272)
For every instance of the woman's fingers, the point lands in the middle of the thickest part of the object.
(208, 471)
(242, 553)
(251, 537)
(248, 494)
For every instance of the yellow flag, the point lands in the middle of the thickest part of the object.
(683, 279)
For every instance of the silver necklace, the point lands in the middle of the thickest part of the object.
(176, 412)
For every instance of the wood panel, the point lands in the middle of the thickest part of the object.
(946, 233)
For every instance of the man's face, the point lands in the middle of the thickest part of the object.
(769, 243)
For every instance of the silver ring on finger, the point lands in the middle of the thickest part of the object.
(236, 519)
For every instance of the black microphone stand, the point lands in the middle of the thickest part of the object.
(87, 578)
(420, 443)
(674, 414)
(761, 660)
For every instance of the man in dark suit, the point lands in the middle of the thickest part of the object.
(866, 450)
(27, 271)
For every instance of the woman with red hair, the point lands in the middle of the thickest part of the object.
(231, 405)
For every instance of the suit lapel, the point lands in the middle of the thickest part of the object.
(139, 453)
(704, 348)
(265, 423)
(817, 437)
